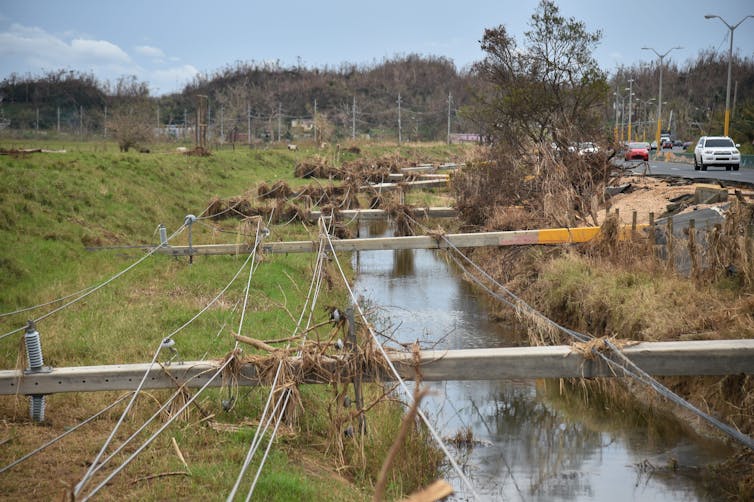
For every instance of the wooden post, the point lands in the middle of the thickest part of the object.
(692, 248)
(749, 275)
(353, 345)
(617, 213)
(671, 251)
(633, 225)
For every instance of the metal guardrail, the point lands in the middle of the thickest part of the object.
(747, 161)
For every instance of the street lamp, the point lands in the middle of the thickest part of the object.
(630, 108)
(659, 99)
(730, 60)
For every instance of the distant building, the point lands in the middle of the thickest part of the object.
(465, 137)
(305, 125)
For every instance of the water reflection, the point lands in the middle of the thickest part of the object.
(535, 443)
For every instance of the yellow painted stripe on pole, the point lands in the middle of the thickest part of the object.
(566, 235)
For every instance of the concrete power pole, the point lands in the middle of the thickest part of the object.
(450, 100)
(400, 138)
(59, 117)
(353, 118)
(248, 123)
(280, 118)
(315, 121)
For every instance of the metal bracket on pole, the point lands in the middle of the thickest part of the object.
(353, 346)
(189, 221)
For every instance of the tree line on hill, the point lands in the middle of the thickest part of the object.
(695, 92)
(267, 97)
(267, 93)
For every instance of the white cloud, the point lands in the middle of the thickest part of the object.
(25, 49)
(37, 47)
(171, 79)
(98, 51)
(149, 51)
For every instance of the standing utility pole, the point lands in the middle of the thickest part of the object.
(280, 118)
(630, 107)
(315, 121)
(730, 61)
(81, 120)
(450, 100)
(659, 97)
(59, 117)
(36, 122)
(207, 130)
(248, 123)
(399, 119)
(185, 123)
(222, 122)
(615, 105)
(105, 123)
(353, 118)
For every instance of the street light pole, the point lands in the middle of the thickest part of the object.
(730, 61)
(630, 108)
(659, 98)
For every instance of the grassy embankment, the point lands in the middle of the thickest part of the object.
(51, 206)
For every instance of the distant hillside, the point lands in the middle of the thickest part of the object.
(266, 92)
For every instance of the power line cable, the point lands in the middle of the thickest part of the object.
(96, 288)
(286, 395)
(64, 434)
(402, 383)
(157, 433)
(93, 465)
(263, 419)
(26, 309)
(635, 371)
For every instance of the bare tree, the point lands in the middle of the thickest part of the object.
(131, 118)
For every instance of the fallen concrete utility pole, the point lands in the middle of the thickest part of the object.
(386, 187)
(422, 177)
(381, 214)
(709, 357)
(481, 239)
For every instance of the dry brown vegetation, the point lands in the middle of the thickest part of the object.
(548, 187)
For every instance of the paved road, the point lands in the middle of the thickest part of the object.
(687, 171)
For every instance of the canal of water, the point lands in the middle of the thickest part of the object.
(534, 440)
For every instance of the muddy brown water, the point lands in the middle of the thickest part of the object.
(533, 441)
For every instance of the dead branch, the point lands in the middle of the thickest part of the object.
(379, 490)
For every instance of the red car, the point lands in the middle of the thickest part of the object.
(637, 151)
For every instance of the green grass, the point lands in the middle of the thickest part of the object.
(53, 205)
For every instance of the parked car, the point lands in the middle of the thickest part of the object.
(667, 145)
(587, 148)
(716, 151)
(653, 145)
(678, 143)
(637, 151)
(687, 144)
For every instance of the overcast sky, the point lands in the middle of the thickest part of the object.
(166, 43)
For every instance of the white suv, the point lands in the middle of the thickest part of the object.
(716, 151)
